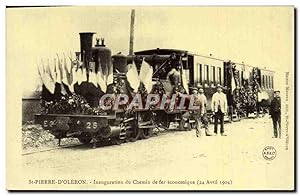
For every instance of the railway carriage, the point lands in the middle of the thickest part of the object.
(208, 72)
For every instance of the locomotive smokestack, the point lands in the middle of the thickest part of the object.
(86, 44)
(131, 32)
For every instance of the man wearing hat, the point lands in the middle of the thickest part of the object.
(219, 109)
(275, 112)
(203, 103)
(195, 114)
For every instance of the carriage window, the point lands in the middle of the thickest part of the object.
(266, 82)
(218, 78)
(200, 74)
(205, 74)
(213, 75)
(196, 73)
(272, 82)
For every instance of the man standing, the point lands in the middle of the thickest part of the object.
(195, 115)
(275, 113)
(174, 76)
(219, 109)
(203, 103)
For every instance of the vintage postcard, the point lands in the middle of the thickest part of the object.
(150, 98)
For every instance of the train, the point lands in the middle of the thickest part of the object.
(172, 71)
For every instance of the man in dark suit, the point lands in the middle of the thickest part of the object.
(275, 113)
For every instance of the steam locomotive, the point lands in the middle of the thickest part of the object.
(122, 125)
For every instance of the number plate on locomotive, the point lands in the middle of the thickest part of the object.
(59, 123)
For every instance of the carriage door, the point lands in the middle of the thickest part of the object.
(188, 69)
(227, 82)
(259, 77)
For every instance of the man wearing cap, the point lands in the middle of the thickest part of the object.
(275, 112)
(203, 103)
(219, 109)
(195, 114)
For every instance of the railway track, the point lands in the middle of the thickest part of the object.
(108, 143)
(53, 148)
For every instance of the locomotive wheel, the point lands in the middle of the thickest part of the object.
(181, 125)
(58, 134)
(146, 133)
(116, 141)
(135, 135)
(84, 140)
(190, 127)
(166, 124)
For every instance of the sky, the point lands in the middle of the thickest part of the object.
(258, 36)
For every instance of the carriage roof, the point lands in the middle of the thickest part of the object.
(159, 51)
(166, 51)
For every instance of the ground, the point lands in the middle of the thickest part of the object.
(175, 156)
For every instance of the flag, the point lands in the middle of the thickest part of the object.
(48, 70)
(184, 81)
(263, 95)
(79, 74)
(57, 71)
(61, 76)
(48, 82)
(41, 71)
(74, 72)
(110, 79)
(145, 75)
(100, 80)
(84, 76)
(93, 78)
(133, 77)
(68, 70)
(92, 74)
(246, 73)
(65, 73)
(70, 66)
(110, 76)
